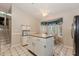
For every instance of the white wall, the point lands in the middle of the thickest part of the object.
(19, 18)
(67, 22)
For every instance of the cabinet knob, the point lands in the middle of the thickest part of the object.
(44, 46)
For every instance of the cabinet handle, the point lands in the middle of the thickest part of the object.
(44, 46)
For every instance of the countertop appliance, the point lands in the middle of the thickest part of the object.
(75, 34)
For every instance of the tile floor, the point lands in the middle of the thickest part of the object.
(5, 50)
(22, 51)
(16, 51)
(61, 50)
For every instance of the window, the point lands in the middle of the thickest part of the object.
(53, 26)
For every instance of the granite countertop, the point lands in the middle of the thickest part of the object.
(40, 35)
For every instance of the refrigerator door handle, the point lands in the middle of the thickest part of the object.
(73, 30)
(72, 34)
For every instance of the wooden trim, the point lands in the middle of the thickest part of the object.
(32, 52)
(25, 45)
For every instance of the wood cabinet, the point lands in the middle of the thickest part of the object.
(41, 46)
(24, 40)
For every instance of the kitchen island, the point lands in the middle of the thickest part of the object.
(40, 44)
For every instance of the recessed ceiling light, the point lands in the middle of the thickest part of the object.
(2, 12)
(8, 14)
(5, 13)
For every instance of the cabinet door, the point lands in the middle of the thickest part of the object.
(37, 46)
(49, 46)
(45, 47)
(34, 44)
(40, 47)
(30, 44)
(24, 40)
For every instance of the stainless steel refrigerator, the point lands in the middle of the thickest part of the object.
(75, 34)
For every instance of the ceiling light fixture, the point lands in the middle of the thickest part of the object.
(44, 12)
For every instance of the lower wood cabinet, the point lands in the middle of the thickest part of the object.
(24, 40)
(41, 46)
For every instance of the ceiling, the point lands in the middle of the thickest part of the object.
(36, 9)
(39, 10)
(5, 7)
